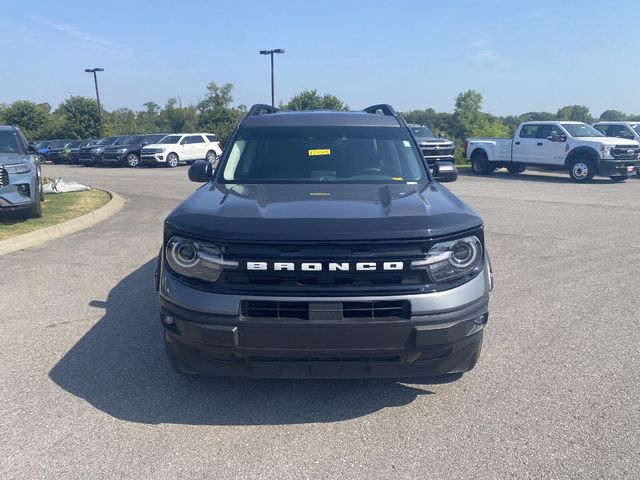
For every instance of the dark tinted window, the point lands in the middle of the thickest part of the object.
(194, 139)
(324, 155)
(153, 138)
(10, 142)
(170, 139)
(423, 132)
(133, 140)
(212, 138)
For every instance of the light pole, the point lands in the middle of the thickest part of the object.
(271, 52)
(95, 80)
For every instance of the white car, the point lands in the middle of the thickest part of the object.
(182, 147)
(573, 146)
(628, 130)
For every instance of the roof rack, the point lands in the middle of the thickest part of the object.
(381, 109)
(261, 109)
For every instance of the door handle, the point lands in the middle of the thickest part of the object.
(517, 143)
(540, 144)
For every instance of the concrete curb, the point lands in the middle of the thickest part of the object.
(43, 235)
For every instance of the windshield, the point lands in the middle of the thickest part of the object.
(153, 138)
(581, 130)
(106, 141)
(9, 142)
(423, 132)
(324, 155)
(73, 144)
(133, 140)
(170, 139)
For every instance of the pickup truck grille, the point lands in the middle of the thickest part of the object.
(4, 178)
(437, 151)
(625, 152)
(379, 310)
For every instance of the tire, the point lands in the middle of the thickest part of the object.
(132, 160)
(211, 157)
(581, 170)
(480, 164)
(36, 210)
(172, 160)
(618, 179)
(515, 169)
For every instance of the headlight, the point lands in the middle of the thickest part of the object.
(605, 150)
(447, 261)
(17, 168)
(196, 259)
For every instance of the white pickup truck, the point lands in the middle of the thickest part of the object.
(573, 146)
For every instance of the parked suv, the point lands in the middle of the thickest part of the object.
(92, 155)
(323, 246)
(72, 150)
(20, 178)
(187, 147)
(433, 148)
(56, 151)
(128, 153)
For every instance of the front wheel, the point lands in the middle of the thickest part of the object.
(480, 164)
(172, 160)
(618, 179)
(36, 210)
(133, 160)
(515, 169)
(581, 170)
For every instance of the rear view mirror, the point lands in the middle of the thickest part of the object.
(445, 172)
(201, 171)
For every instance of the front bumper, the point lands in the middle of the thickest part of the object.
(116, 158)
(206, 333)
(20, 193)
(618, 168)
(153, 159)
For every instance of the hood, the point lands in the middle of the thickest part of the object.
(322, 212)
(433, 141)
(131, 146)
(13, 158)
(612, 141)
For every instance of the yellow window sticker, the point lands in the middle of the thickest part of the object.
(397, 179)
(319, 151)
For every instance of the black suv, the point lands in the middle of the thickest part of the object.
(433, 148)
(323, 247)
(92, 154)
(128, 153)
(56, 151)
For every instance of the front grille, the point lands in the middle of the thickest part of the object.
(4, 178)
(440, 152)
(84, 153)
(625, 152)
(150, 151)
(378, 310)
(330, 360)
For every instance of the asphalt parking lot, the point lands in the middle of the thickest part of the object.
(85, 391)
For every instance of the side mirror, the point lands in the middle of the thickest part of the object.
(201, 171)
(557, 138)
(31, 148)
(445, 172)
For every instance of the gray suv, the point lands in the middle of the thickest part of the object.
(20, 178)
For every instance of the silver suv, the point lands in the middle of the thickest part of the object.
(20, 176)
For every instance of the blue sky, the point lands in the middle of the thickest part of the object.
(522, 56)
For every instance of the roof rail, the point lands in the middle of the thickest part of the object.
(261, 109)
(382, 108)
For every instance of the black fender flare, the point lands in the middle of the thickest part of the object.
(588, 152)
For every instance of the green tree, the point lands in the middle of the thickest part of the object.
(575, 113)
(215, 113)
(467, 114)
(80, 116)
(311, 100)
(176, 118)
(613, 116)
(123, 121)
(31, 117)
